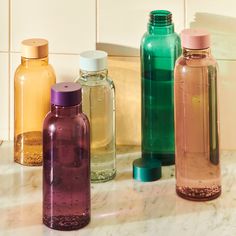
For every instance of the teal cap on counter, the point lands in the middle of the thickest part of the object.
(146, 169)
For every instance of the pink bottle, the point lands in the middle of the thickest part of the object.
(196, 119)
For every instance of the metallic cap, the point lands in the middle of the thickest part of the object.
(34, 48)
(146, 169)
(66, 94)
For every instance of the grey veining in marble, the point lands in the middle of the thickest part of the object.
(120, 207)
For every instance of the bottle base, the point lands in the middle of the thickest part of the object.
(27, 163)
(165, 159)
(28, 149)
(102, 176)
(66, 223)
(199, 194)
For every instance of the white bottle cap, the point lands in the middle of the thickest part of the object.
(93, 60)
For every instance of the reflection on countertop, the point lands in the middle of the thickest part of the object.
(122, 206)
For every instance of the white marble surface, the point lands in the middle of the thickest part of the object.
(120, 207)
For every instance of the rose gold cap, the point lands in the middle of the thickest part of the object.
(195, 38)
(34, 48)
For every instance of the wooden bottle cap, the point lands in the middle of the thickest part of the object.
(34, 48)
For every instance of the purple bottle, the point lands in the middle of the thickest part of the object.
(66, 160)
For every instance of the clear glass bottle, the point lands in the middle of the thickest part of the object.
(160, 47)
(196, 119)
(66, 160)
(99, 106)
(32, 83)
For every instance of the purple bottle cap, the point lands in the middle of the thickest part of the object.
(66, 94)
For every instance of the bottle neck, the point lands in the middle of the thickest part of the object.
(160, 22)
(66, 111)
(34, 61)
(196, 53)
(161, 30)
(93, 75)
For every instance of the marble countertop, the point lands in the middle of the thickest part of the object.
(121, 207)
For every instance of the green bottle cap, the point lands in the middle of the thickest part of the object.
(146, 169)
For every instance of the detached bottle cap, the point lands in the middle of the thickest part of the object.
(195, 38)
(93, 60)
(146, 170)
(34, 48)
(66, 94)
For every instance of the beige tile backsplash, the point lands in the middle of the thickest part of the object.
(68, 25)
(125, 72)
(121, 24)
(4, 25)
(219, 18)
(116, 26)
(4, 97)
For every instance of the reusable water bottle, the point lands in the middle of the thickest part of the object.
(66, 160)
(33, 80)
(160, 47)
(196, 119)
(99, 106)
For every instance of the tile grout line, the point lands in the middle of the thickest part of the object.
(77, 54)
(96, 23)
(185, 13)
(53, 53)
(9, 69)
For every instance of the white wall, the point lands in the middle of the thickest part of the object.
(72, 26)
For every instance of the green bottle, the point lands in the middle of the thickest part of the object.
(160, 47)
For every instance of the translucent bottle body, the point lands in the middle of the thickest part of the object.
(66, 169)
(33, 80)
(160, 48)
(99, 106)
(196, 126)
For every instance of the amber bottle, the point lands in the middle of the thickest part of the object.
(32, 83)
